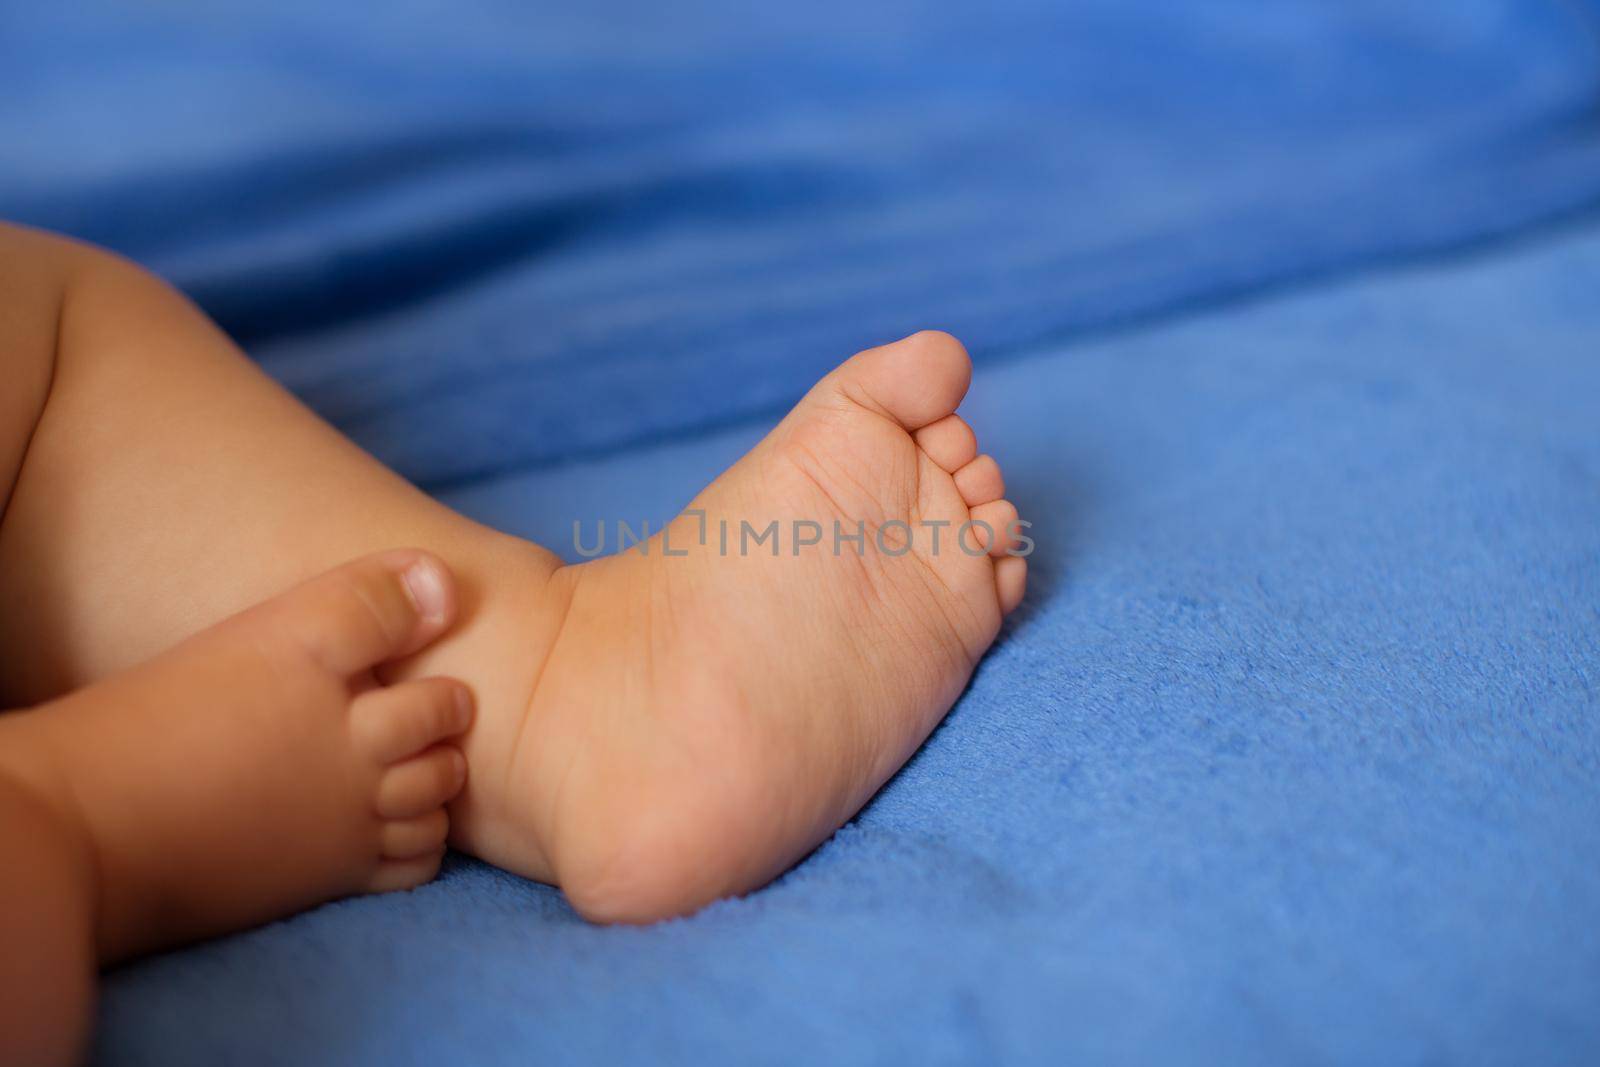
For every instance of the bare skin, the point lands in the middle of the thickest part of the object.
(652, 732)
(755, 698)
(255, 770)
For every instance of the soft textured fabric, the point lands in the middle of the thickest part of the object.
(1293, 753)
(541, 234)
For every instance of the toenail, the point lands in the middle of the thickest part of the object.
(425, 585)
(463, 707)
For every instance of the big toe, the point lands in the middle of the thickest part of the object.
(375, 609)
(915, 381)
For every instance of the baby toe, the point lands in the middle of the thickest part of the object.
(405, 874)
(407, 839)
(980, 481)
(950, 443)
(401, 720)
(378, 608)
(421, 784)
(916, 381)
(1010, 582)
(995, 526)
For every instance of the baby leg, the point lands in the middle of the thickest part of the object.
(166, 483)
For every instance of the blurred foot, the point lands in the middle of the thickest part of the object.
(260, 767)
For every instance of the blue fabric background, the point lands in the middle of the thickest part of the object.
(1288, 326)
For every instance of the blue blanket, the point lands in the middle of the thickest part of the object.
(1293, 754)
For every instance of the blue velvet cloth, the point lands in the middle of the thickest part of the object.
(1293, 754)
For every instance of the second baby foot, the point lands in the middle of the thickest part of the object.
(260, 767)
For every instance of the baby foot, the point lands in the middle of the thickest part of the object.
(260, 767)
(709, 711)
